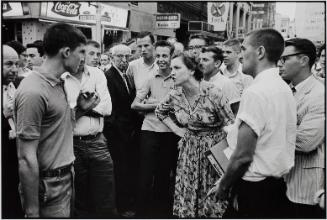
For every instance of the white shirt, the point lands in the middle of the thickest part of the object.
(227, 86)
(93, 79)
(141, 72)
(241, 80)
(269, 108)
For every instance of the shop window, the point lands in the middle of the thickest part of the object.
(111, 37)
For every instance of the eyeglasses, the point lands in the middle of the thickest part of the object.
(284, 58)
(196, 47)
(120, 56)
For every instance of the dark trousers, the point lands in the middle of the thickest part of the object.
(297, 210)
(123, 146)
(94, 180)
(262, 199)
(158, 156)
(11, 204)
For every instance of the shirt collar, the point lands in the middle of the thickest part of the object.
(157, 74)
(231, 75)
(271, 72)
(302, 84)
(120, 72)
(216, 76)
(51, 80)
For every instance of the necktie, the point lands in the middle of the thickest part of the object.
(126, 82)
(293, 90)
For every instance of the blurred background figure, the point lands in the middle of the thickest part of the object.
(34, 54)
(22, 63)
(105, 62)
(92, 57)
(195, 44)
(179, 48)
(319, 68)
(131, 43)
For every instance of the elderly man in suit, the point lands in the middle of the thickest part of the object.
(307, 176)
(120, 129)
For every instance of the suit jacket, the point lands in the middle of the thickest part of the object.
(307, 175)
(121, 122)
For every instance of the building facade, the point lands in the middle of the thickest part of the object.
(263, 15)
(310, 20)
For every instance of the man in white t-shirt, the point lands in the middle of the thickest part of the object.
(265, 128)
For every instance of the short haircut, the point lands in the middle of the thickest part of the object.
(61, 35)
(304, 46)
(144, 34)
(163, 43)
(117, 47)
(218, 53)
(323, 47)
(93, 43)
(17, 46)
(234, 43)
(38, 44)
(271, 40)
(200, 36)
(191, 64)
(130, 41)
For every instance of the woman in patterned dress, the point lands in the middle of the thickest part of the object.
(202, 112)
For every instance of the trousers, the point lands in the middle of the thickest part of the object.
(94, 181)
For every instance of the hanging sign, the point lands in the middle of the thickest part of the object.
(217, 15)
(168, 20)
(12, 9)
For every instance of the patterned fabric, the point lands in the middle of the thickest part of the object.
(204, 122)
(307, 175)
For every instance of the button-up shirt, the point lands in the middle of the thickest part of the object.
(93, 80)
(241, 80)
(269, 108)
(141, 72)
(157, 87)
(227, 86)
(8, 93)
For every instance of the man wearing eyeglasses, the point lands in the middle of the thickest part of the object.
(195, 45)
(306, 178)
(120, 128)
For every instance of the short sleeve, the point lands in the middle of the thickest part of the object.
(30, 107)
(251, 111)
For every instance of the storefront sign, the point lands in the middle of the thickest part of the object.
(217, 15)
(72, 11)
(170, 20)
(12, 9)
(113, 16)
(68, 9)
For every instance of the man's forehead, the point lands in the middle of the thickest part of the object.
(208, 54)
(31, 50)
(122, 51)
(10, 59)
(9, 53)
(289, 50)
(144, 40)
(91, 47)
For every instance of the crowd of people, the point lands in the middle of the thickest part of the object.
(124, 133)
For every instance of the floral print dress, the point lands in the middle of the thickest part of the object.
(195, 175)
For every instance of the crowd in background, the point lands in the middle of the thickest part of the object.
(124, 133)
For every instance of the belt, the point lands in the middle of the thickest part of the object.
(87, 137)
(60, 171)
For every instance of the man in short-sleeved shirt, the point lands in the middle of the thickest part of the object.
(263, 136)
(158, 142)
(44, 127)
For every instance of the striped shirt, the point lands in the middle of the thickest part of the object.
(307, 175)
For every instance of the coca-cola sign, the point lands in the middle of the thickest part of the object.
(67, 9)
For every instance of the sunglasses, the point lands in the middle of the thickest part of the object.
(284, 58)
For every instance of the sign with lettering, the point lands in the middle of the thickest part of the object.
(73, 11)
(12, 9)
(68, 9)
(217, 15)
(113, 16)
(168, 20)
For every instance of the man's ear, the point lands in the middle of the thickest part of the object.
(261, 52)
(304, 60)
(65, 52)
(218, 64)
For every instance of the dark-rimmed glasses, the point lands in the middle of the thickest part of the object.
(283, 58)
